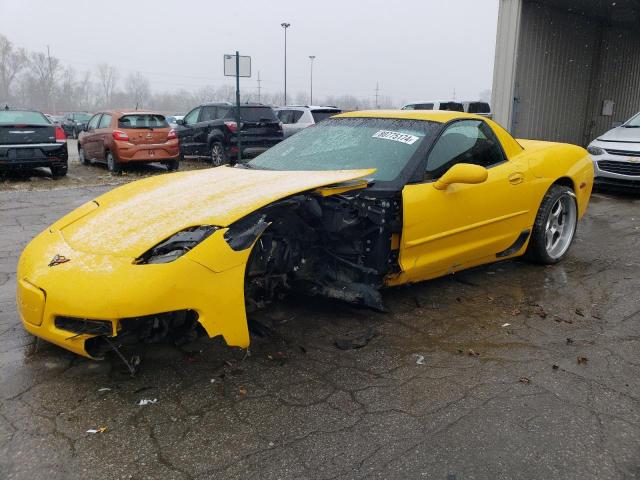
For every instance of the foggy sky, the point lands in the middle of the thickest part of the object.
(415, 49)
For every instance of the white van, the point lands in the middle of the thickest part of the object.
(435, 105)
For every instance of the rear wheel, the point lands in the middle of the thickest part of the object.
(172, 165)
(83, 159)
(217, 155)
(58, 171)
(112, 164)
(555, 226)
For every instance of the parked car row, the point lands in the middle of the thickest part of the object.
(30, 139)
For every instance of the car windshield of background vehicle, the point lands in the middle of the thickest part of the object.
(634, 122)
(82, 117)
(351, 143)
(253, 114)
(319, 115)
(16, 117)
(142, 121)
(452, 106)
(479, 107)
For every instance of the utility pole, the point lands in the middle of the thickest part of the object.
(285, 25)
(259, 86)
(312, 58)
(377, 94)
(50, 102)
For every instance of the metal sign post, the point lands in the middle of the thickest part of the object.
(237, 66)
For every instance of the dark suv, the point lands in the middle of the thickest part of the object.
(75, 122)
(210, 130)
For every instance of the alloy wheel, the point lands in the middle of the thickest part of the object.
(560, 226)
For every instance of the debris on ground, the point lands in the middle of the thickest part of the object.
(472, 352)
(555, 367)
(569, 341)
(358, 341)
(97, 430)
(419, 359)
(213, 380)
(582, 360)
(579, 312)
(104, 389)
(540, 311)
(505, 325)
(242, 391)
(146, 401)
(525, 380)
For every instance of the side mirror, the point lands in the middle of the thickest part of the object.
(462, 173)
(180, 121)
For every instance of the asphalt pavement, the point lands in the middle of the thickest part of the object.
(511, 371)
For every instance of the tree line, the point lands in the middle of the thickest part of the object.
(41, 81)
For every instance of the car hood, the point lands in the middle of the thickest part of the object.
(131, 219)
(621, 134)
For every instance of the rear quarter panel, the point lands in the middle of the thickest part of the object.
(551, 162)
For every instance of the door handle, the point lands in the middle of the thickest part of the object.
(516, 178)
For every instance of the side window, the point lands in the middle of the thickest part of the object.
(192, 116)
(295, 116)
(285, 116)
(409, 107)
(208, 113)
(105, 121)
(93, 123)
(424, 106)
(467, 141)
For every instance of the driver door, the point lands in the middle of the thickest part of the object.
(465, 224)
(186, 131)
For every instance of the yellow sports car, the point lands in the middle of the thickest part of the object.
(361, 201)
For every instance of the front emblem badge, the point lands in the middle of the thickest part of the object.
(58, 259)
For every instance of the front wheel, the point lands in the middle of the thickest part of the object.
(112, 164)
(555, 226)
(218, 156)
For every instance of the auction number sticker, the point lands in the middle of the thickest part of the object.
(396, 136)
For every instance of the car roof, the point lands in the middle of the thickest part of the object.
(432, 101)
(229, 104)
(130, 112)
(311, 107)
(440, 116)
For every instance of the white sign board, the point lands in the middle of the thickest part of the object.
(230, 66)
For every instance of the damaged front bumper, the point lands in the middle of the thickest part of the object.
(94, 295)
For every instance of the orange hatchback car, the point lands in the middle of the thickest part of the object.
(121, 137)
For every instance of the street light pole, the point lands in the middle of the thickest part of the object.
(312, 58)
(285, 26)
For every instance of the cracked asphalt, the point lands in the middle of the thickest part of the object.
(511, 371)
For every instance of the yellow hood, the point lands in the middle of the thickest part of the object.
(135, 217)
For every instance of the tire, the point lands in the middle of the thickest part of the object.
(217, 156)
(83, 159)
(58, 171)
(555, 226)
(113, 165)
(172, 165)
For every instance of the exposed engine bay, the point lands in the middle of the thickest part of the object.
(338, 246)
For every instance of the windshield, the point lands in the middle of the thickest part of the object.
(385, 144)
(319, 115)
(634, 122)
(142, 120)
(17, 117)
(81, 117)
(479, 107)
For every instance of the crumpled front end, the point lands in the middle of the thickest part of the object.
(69, 297)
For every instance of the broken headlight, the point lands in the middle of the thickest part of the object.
(176, 245)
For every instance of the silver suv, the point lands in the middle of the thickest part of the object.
(298, 117)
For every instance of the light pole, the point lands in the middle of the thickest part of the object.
(285, 26)
(312, 58)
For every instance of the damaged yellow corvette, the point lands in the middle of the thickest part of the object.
(361, 201)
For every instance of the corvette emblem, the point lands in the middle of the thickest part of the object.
(58, 259)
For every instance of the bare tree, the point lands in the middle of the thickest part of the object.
(45, 70)
(107, 80)
(12, 62)
(137, 89)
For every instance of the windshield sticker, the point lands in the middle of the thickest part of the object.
(396, 136)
